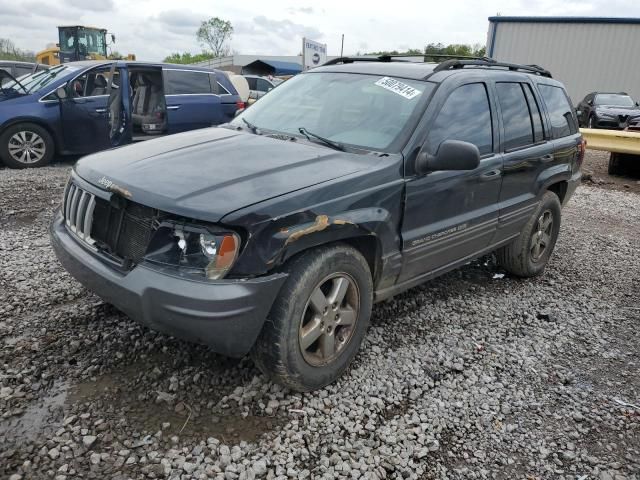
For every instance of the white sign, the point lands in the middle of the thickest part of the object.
(396, 86)
(314, 54)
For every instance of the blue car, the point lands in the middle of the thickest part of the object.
(83, 107)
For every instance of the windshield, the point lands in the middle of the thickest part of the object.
(365, 111)
(614, 100)
(89, 41)
(39, 80)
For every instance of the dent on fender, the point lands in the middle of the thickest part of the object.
(321, 223)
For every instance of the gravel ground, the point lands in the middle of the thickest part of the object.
(473, 375)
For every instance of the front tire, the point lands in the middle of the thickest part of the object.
(26, 145)
(529, 254)
(592, 122)
(318, 321)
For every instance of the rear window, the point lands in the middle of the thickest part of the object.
(183, 82)
(23, 70)
(560, 112)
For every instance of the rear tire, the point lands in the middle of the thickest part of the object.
(26, 145)
(318, 321)
(617, 164)
(529, 254)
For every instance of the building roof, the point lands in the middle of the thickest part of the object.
(621, 20)
(281, 68)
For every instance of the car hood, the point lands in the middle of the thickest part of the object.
(206, 174)
(615, 110)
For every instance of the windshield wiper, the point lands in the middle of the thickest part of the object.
(326, 141)
(251, 126)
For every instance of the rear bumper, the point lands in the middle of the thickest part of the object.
(226, 315)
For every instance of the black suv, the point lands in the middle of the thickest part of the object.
(615, 111)
(274, 234)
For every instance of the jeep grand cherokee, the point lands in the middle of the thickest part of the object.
(274, 234)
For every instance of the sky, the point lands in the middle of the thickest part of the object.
(153, 29)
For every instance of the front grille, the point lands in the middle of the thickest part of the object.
(123, 230)
(119, 228)
(78, 208)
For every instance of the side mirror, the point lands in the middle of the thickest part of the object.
(61, 92)
(590, 102)
(269, 89)
(637, 104)
(452, 155)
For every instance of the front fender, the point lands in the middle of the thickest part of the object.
(280, 239)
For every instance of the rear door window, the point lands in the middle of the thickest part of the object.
(184, 82)
(263, 85)
(466, 116)
(252, 83)
(518, 129)
(560, 112)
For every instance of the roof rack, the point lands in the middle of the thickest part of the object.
(455, 62)
(400, 58)
(489, 62)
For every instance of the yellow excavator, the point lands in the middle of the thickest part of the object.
(78, 43)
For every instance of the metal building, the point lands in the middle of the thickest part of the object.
(587, 54)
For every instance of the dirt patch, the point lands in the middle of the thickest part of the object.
(595, 172)
(125, 404)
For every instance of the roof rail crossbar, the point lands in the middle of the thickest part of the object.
(425, 56)
(402, 58)
(338, 60)
(458, 64)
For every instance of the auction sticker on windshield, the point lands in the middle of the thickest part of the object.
(396, 86)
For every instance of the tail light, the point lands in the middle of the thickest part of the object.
(239, 105)
(582, 148)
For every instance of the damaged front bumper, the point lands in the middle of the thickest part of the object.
(227, 315)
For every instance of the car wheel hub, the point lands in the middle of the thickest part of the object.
(329, 319)
(26, 147)
(541, 237)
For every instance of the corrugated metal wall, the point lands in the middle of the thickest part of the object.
(586, 57)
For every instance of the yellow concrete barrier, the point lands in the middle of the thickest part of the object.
(615, 141)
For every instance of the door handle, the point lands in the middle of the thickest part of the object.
(491, 175)
(173, 107)
(547, 158)
(101, 110)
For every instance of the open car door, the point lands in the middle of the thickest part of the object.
(118, 107)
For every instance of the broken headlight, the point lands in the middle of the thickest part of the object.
(194, 250)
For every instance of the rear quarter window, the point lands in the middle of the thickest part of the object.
(185, 82)
(561, 114)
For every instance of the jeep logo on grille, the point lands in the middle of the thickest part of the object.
(112, 187)
(106, 183)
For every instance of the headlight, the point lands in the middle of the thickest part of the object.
(194, 250)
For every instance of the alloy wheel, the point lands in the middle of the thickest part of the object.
(541, 237)
(329, 319)
(26, 147)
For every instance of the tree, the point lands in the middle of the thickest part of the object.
(9, 51)
(438, 49)
(188, 58)
(213, 35)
